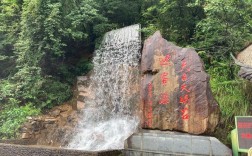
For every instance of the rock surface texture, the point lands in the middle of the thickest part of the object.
(245, 62)
(175, 91)
(54, 128)
(245, 55)
(83, 92)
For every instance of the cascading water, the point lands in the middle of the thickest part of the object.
(110, 117)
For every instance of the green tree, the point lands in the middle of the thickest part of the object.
(49, 33)
(176, 19)
(121, 12)
(226, 28)
(10, 12)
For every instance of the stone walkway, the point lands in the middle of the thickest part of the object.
(163, 143)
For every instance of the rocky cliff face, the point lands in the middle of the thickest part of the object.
(56, 127)
(175, 92)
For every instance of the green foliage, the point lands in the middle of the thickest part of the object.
(28, 87)
(83, 18)
(233, 94)
(42, 44)
(9, 28)
(229, 92)
(176, 19)
(6, 90)
(83, 66)
(226, 28)
(121, 12)
(35, 38)
(40, 41)
(12, 117)
(58, 93)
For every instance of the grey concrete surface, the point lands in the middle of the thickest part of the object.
(165, 143)
(21, 150)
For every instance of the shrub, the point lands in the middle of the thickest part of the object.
(12, 117)
(233, 95)
(83, 67)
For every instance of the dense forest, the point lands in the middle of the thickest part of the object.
(45, 44)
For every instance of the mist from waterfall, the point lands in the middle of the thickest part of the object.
(110, 117)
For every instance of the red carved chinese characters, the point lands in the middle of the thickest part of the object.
(184, 77)
(183, 65)
(184, 88)
(164, 78)
(150, 90)
(185, 116)
(164, 99)
(149, 111)
(184, 110)
(184, 98)
(165, 61)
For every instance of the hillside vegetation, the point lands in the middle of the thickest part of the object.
(42, 44)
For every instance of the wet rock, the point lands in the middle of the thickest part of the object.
(36, 127)
(82, 83)
(72, 118)
(39, 118)
(64, 114)
(81, 88)
(55, 113)
(82, 80)
(24, 129)
(50, 120)
(175, 91)
(26, 135)
(29, 118)
(33, 122)
(80, 97)
(80, 105)
(83, 92)
(49, 130)
(27, 125)
(65, 108)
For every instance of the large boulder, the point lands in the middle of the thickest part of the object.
(175, 92)
(245, 62)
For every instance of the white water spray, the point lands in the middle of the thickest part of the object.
(110, 118)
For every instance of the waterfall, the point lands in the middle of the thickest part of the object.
(110, 117)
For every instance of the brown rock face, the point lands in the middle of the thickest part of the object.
(52, 129)
(175, 92)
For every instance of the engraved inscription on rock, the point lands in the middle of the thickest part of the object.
(175, 91)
